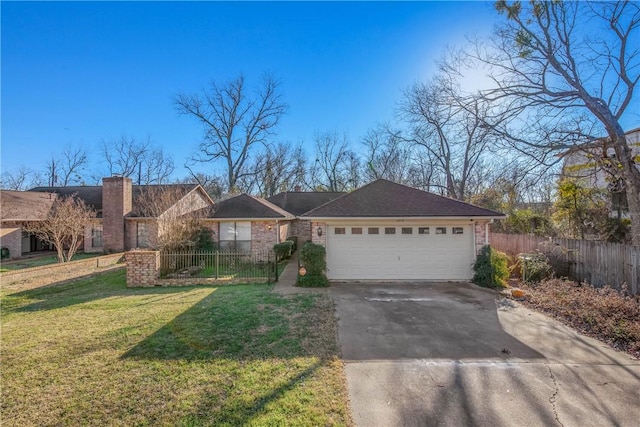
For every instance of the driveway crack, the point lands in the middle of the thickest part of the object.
(552, 399)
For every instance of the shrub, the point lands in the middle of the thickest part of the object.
(204, 241)
(293, 239)
(534, 266)
(490, 268)
(283, 250)
(308, 281)
(312, 257)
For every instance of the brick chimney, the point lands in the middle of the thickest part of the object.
(117, 195)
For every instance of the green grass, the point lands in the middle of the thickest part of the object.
(40, 261)
(95, 352)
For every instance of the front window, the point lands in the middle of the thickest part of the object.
(235, 236)
(142, 235)
(96, 236)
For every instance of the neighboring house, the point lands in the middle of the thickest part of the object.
(581, 163)
(246, 223)
(119, 223)
(17, 208)
(388, 231)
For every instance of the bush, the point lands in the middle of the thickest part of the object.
(308, 281)
(312, 257)
(534, 267)
(204, 241)
(293, 239)
(283, 250)
(490, 268)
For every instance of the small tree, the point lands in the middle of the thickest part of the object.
(490, 268)
(64, 226)
(580, 210)
(179, 221)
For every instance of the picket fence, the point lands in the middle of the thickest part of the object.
(597, 263)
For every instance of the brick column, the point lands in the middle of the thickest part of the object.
(480, 234)
(143, 268)
(319, 240)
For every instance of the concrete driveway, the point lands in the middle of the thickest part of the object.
(452, 354)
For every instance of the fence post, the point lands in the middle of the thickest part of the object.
(275, 270)
(217, 263)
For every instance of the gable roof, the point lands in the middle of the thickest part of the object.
(245, 206)
(25, 206)
(299, 202)
(386, 199)
(92, 194)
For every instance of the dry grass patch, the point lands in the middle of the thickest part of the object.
(602, 313)
(96, 352)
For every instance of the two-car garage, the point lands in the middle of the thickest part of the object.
(400, 251)
(387, 231)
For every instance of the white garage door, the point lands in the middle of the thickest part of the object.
(392, 252)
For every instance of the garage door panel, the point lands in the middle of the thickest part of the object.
(399, 256)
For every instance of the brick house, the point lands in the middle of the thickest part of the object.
(119, 224)
(250, 224)
(16, 208)
(389, 231)
(381, 231)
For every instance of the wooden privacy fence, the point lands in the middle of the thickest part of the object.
(597, 263)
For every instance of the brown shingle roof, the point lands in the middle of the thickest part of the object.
(92, 194)
(24, 205)
(384, 199)
(248, 207)
(299, 202)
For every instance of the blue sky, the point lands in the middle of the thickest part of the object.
(81, 72)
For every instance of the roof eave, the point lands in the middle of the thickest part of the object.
(250, 219)
(386, 218)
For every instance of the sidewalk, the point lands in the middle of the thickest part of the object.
(286, 284)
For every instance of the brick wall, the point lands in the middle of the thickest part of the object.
(116, 203)
(319, 240)
(302, 229)
(264, 234)
(143, 268)
(11, 238)
(480, 238)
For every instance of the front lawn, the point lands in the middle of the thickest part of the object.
(95, 352)
(38, 261)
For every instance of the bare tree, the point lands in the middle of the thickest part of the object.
(141, 161)
(234, 121)
(67, 167)
(452, 130)
(64, 226)
(280, 168)
(387, 155)
(566, 85)
(212, 184)
(179, 221)
(22, 178)
(334, 164)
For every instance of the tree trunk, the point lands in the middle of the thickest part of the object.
(631, 176)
